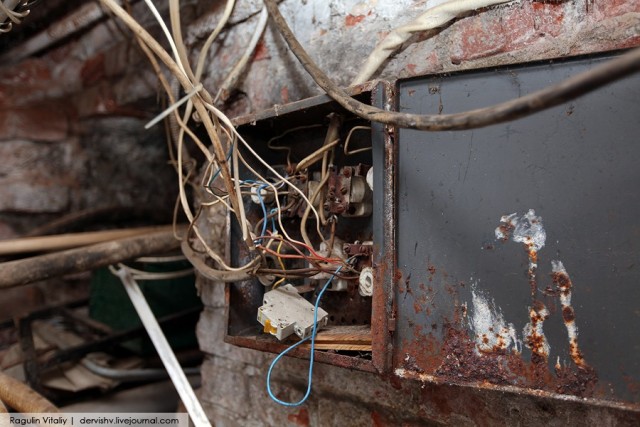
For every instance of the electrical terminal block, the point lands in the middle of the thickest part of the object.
(365, 282)
(337, 284)
(285, 312)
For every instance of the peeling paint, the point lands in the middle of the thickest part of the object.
(563, 283)
(533, 331)
(492, 333)
(528, 230)
(507, 224)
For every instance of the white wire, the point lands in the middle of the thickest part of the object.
(187, 211)
(226, 120)
(207, 44)
(236, 175)
(7, 12)
(233, 76)
(276, 199)
(174, 106)
(174, 48)
(433, 18)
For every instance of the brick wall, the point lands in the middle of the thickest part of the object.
(71, 140)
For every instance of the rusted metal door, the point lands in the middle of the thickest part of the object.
(518, 261)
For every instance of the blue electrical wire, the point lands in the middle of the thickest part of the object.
(313, 346)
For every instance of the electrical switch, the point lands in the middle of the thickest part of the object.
(285, 312)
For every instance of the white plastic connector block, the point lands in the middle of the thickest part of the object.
(285, 312)
(265, 193)
(338, 285)
(365, 282)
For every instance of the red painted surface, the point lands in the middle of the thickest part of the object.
(301, 418)
(351, 20)
(261, 52)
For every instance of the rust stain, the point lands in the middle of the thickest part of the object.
(564, 286)
(462, 363)
(534, 337)
(284, 95)
(579, 382)
(505, 230)
(398, 275)
(568, 315)
(377, 420)
(422, 354)
(417, 308)
(632, 385)
(301, 418)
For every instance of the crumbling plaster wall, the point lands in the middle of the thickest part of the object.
(52, 105)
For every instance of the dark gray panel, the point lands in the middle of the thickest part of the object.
(578, 167)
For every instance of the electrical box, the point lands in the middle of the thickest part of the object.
(271, 312)
(285, 312)
(505, 257)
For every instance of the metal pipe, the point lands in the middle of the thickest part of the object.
(131, 374)
(22, 398)
(28, 270)
(25, 245)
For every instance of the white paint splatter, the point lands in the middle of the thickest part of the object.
(533, 331)
(563, 282)
(527, 229)
(503, 231)
(492, 333)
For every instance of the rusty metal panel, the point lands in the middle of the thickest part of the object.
(518, 260)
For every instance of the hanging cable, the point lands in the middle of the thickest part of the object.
(312, 337)
(198, 102)
(551, 96)
(234, 75)
(12, 12)
(434, 17)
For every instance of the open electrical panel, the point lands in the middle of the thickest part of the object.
(275, 309)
